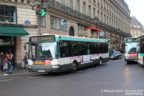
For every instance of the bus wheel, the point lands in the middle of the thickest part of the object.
(128, 62)
(100, 61)
(74, 67)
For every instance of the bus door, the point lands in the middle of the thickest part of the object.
(141, 53)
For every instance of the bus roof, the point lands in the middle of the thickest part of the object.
(82, 39)
(74, 38)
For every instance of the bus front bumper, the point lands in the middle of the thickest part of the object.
(44, 68)
(131, 59)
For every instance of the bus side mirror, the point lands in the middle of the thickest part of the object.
(138, 48)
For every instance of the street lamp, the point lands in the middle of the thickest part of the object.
(39, 6)
(39, 3)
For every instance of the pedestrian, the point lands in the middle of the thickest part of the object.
(13, 61)
(10, 66)
(1, 60)
(25, 59)
(5, 66)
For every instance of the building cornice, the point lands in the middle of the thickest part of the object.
(120, 8)
(20, 25)
(65, 11)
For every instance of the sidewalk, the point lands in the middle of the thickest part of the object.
(16, 72)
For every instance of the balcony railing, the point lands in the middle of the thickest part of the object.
(120, 8)
(63, 8)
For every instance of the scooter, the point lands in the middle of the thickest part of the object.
(116, 55)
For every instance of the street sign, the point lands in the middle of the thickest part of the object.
(27, 22)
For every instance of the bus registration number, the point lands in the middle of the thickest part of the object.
(41, 71)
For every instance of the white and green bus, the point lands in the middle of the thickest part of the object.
(131, 49)
(141, 50)
(54, 53)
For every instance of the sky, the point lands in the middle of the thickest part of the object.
(136, 7)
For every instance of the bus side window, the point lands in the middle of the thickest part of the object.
(80, 49)
(138, 48)
(65, 50)
(142, 48)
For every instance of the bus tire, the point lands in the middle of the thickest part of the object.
(128, 62)
(74, 67)
(100, 61)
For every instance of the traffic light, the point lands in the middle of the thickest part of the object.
(42, 12)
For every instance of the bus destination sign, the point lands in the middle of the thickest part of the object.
(42, 38)
(132, 40)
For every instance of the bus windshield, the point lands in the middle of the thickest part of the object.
(43, 50)
(131, 48)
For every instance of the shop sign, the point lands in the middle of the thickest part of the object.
(102, 33)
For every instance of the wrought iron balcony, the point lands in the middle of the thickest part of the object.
(68, 10)
(120, 8)
(62, 7)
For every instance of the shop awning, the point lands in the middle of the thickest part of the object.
(12, 31)
(92, 28)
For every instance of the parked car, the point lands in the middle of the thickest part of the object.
(116, 55)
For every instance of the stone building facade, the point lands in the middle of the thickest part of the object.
(109, 19)
(136, 28)
(22, 13)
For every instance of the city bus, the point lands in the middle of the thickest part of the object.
(55, 53)
(141, 50)
(131, 49)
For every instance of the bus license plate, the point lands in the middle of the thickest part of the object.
(41, 71)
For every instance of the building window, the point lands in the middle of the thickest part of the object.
(71, 3)
(90, 10)
(42, 21)
(63, 24)
(82, 31)
(94, 1)
(55, 23)
(93, 12)
(62, 2)
(78, 5)
(7, 14)
(98, 14)
(58, 23)
(84, 8)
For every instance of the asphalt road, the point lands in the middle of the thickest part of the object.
(114, 78)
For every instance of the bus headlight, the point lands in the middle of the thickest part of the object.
(29, 67)
(30, 62)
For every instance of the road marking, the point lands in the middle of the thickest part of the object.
(80, 71)
(16, 74)
(6, 80)
(31, 77)
(20, 74)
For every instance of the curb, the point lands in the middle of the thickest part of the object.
(15, 74)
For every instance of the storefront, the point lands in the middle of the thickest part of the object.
(7, 44)
(82, 30)
(8, 39)
(95, 32)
